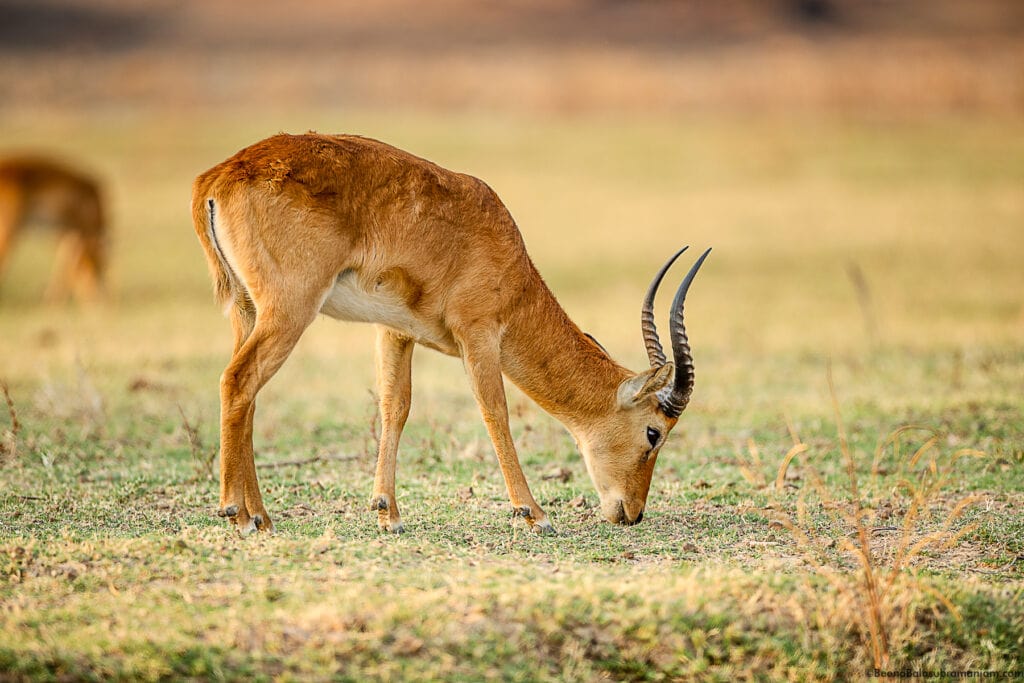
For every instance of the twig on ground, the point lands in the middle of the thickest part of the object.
(307, 461)
(874, 530)
(998, 571)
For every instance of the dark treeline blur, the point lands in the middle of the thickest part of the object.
(547, 55)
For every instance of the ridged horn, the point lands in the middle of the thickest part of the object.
(650, 331)
(674, 401)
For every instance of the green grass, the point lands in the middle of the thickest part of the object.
(114, 564)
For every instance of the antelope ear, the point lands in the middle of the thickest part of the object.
(639, 387)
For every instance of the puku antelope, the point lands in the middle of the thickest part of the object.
(298, 225)
(36, 190)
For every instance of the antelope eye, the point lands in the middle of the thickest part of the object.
(653, 435)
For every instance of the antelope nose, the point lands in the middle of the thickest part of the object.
(639, 518)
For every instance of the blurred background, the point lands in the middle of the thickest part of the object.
(551, 57)
(857, 165)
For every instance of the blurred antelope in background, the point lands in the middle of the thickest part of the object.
(38, 191)
(298, 225)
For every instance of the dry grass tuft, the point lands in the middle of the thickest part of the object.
(883, 593)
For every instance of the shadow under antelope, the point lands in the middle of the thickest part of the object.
(297, 225)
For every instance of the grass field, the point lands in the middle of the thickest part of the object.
(791, 532)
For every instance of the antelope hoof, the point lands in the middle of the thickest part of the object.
(248, 529)
(538, 524)
(245, 523)
(256, 523)
(388, 519)
(543, 528)
(391, 527)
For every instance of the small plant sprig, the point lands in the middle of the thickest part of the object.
(202, 458)
(9, 443)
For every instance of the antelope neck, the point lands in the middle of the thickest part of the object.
(547, 356)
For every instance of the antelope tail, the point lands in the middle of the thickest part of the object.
(225, 288)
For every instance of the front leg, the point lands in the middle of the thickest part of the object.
(394, 389)
(481, 355)
(68, 250)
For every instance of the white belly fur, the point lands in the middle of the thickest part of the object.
(349, 300)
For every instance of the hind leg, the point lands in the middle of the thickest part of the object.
(243, 320)
(87, 271)
(394, 386)
(262, 344)
(69, 251)
(81, 255)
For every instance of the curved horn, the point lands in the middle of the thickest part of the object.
(674, 401)
(650, 331)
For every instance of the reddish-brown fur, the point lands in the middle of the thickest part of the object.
(361, 230)
(34, 189)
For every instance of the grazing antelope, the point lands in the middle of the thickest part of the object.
(298, 225)
(36, 190)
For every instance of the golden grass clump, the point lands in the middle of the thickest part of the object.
(881, 594)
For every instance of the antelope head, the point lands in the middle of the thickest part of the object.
(620, 450)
